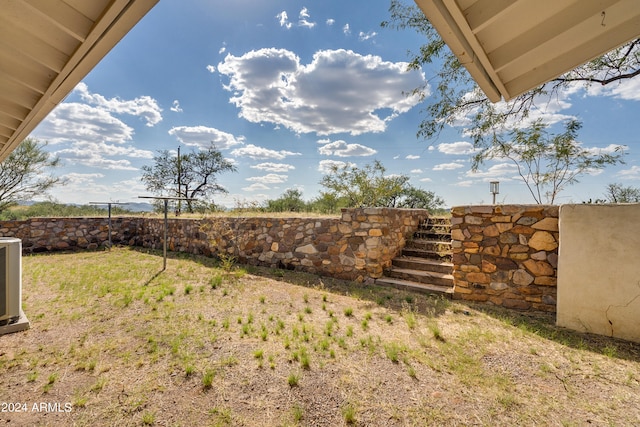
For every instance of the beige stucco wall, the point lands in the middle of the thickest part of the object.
(599, 270)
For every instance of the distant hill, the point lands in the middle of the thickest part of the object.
(136, 207)
(133, 207)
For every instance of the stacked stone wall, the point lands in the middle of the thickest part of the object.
(63, 234)
(506, 255)
(357, 246)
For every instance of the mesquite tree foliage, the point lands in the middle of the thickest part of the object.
(24, 173)
(369, 186)
(548, 163)
(457, 100)
(191, 176)
(451, 97)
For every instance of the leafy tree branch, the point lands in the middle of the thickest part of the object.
(188, 176)
(547, 164)
(24, 174)
(457, 99)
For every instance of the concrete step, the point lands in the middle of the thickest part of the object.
(420, 276)
(425, 264)
(415, 286)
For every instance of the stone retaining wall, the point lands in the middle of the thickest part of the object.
(506, 255)
(357, 246)
(60, 234)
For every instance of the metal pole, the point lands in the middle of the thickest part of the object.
(109, 204)
(179, 183)
(110, 243)
(166, 204)
(166, 222)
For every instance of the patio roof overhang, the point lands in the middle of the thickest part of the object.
(46, 48)
(512, 46)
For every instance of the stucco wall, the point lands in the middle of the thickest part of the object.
(599, 274)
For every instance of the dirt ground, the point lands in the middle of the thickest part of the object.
(115, 342)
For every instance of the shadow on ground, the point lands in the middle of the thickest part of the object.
(541, 324)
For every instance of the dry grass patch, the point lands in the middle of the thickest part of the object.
(125, 344)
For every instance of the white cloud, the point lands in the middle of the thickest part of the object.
(501, 170)
(415, 171)
(426, 180)
(632, 173)
(340, 91)
(176, 107)
(346, 29)
(593, 171)
(448, 166)
(72, 121)
(256, 187)
(95, 149)
(303, 19)
(273, 167)
(271, 178)
(91, 134)
(325, 166)
(464, 183)
(330, 21)
(366, 36)
(457, 148)
(393, 175)
(92, 187)
(412, 157)
(144, 106)
(304, 13)
(283, 19)
(255, 152)
(342, 149)
(546, 108)
(128, 188)
(82, 178)
(211, 69)
(609, 149)
(203, 137)
(85, 156)
(627, 89)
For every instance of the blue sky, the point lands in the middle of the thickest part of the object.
(285, 89)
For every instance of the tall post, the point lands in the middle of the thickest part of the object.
(166, 222)
(109, 221)
(179, 183)
(109, 204)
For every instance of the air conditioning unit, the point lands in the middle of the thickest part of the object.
(10, 283)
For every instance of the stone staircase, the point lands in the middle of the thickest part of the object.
(425, 262)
